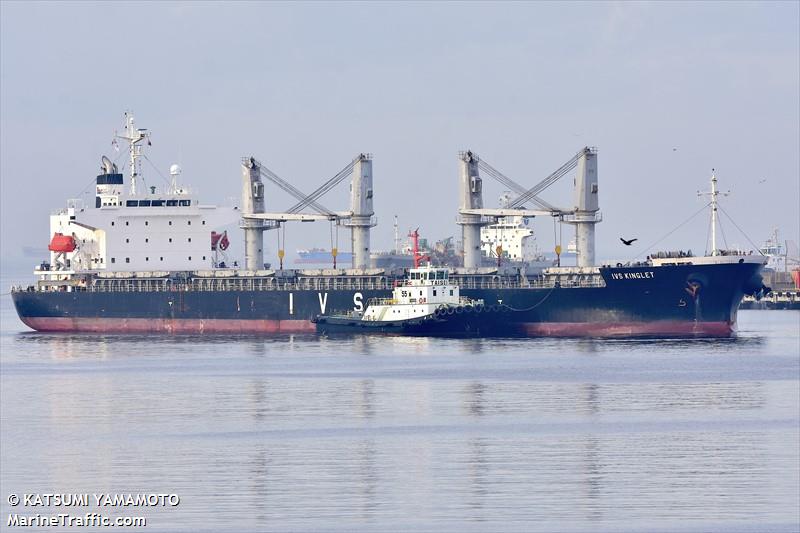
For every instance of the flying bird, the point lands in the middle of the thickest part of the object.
(627, 243)
(762, 180)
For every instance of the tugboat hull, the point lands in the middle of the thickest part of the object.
(460, 322)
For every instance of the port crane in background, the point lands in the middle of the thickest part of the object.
(255, 219)
(584, 215)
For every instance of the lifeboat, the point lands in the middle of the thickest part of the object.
(62, 243)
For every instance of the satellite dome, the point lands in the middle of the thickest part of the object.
(174, 170)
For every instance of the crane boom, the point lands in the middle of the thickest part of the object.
(548, 181)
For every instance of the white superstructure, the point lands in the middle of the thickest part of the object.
(426, 289)
(141, 229)
(514, 236)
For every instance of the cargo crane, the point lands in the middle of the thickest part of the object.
(584, 215)
(255, 219)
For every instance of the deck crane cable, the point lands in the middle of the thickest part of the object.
(291, 189)
(93, 181)
(740, 230)
(548, 181)
(511, 184)
(679, 226)
(324, 188)
(163, 177)
(722, 230)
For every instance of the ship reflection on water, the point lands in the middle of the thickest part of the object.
(299, 432)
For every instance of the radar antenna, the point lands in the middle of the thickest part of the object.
(134, 136)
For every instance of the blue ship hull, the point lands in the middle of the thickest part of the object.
(632, 301)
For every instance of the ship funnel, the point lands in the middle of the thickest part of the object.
(107, 166)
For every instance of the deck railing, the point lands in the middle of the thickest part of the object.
(316, 283)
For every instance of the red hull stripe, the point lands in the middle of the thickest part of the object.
(531, 329)
(627, 329)
(167, 325)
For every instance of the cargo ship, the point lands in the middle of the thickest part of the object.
(142, 259)
(782, 273)
(320, 256)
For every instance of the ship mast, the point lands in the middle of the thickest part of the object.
(134, 136)
(396, 237)
(713, 194)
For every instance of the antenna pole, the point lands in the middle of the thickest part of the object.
(713, 194)
(396, 237)
(713, 212)
(134, 137)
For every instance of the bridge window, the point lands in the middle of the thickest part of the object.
(157, 203)
(113, 260)
(131, 203)
(127, 259)
(185, 203)
(172, 203)
(144, 203)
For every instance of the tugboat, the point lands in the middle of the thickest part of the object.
(426, 303)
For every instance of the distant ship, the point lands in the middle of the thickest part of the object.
(321, 256)
(782, 273)
(146, 259)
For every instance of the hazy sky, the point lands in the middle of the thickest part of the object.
(666, 91)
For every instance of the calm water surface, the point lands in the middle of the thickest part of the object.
(302, 433)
